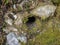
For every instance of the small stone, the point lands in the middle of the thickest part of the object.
(9, 29)
(44, 11)
(11, 39)
(18, 21)
(15, 16)
(14, 6)
(9, 21)
(9, 18)
(22, 38)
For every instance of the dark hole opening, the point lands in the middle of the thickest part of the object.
(31, 20)
(0, 2)
(11, 16)
(8, 5)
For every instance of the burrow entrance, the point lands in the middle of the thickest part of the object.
(31, 20)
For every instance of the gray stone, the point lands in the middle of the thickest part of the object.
(44, 11)
(11, 39)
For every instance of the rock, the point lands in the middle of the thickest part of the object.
(22, 38)
(11, 39)
(9, 17)
(18, 21)
(9, 29)
(15, 16)
(9, 21)
(44, 11)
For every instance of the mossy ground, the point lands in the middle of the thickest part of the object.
(49, 31)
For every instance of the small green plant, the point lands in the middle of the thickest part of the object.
(25, 20)
(6, 1)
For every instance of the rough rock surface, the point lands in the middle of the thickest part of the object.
(44, 11)
(12, 40)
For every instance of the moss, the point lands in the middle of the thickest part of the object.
(19, 8)
(27, 6)
(38, 24)
(23, 43)
(56, 2)
(46, 38)
(25, 20)
(51, 34)
(58, 12)
(24, 27)
(4, 25)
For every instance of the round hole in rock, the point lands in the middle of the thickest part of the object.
(31, 20)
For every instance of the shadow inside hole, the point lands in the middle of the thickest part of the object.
(31, 20)
(30, 23)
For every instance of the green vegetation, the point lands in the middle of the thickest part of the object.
(50, 36)
(6, 1)
(25, 20)
(56, 2)
(50, 31)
